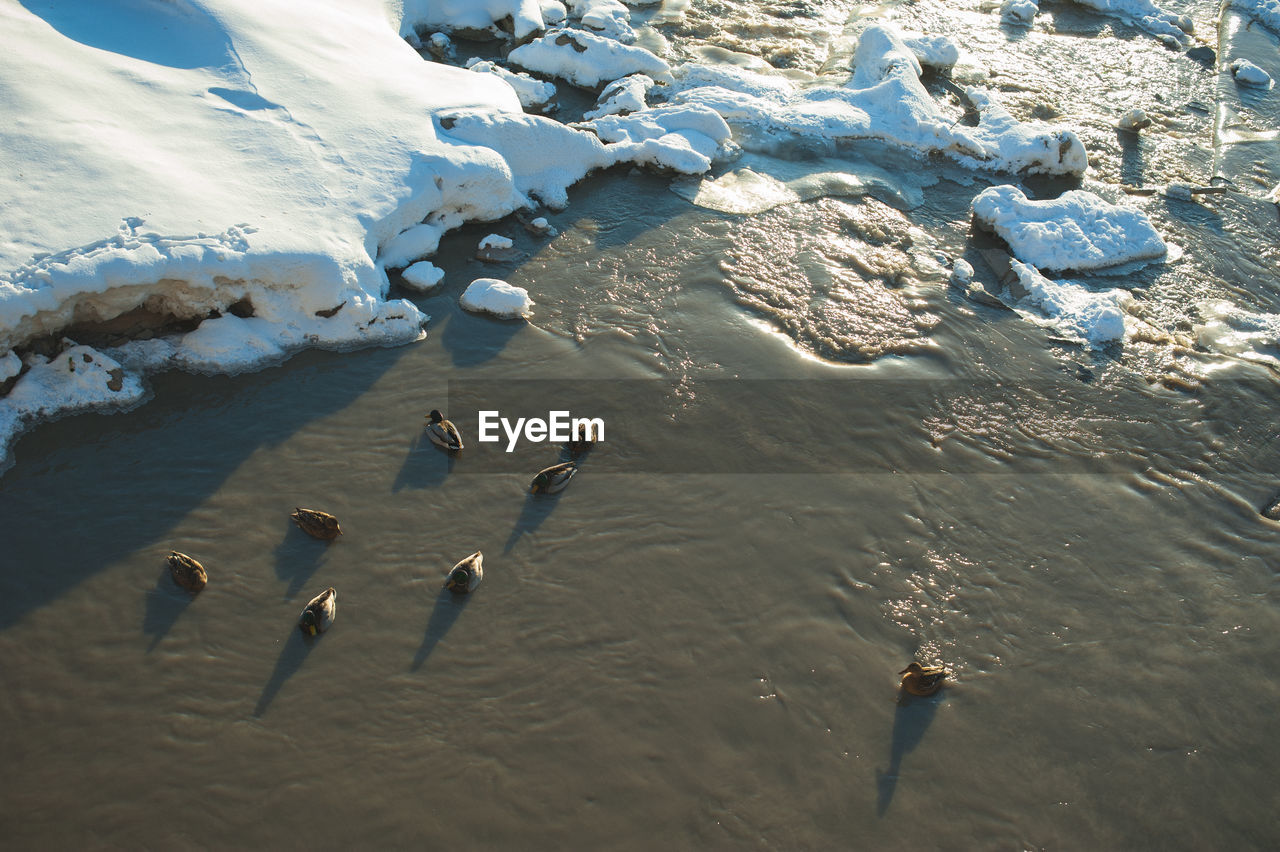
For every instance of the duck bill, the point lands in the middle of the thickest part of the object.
(311, 629)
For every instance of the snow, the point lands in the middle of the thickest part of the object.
(1266, 12)
(1019, 12)
(1072, 309)
(1077, 230)
(473, 17)
(961, 271)
(1232, 330)
(423, 276)
(1135, 120)
(938, 52)
(534, 94)
(541, 224)
(608, 18)
(490, 295)
(10, 366)
(495, 241)
(1147, 15)
(884, 99)
(622, 96)
(1249, 74)
(586, 59)
(683, 138)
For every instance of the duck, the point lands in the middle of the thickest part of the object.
(187, 572)
(443, 433)
(580, 445)
(317, 524)
(318, 615)
(466, 575)
(922, 680)
(552, 480)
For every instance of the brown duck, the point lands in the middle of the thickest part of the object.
(187, 572)
(922, 680)
(318, 524)
(319, 613)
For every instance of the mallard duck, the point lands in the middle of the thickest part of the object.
(582, 441)
(187, 573)
(318, 615)
(443, 433)
(466, 575)
(551, 480)
(316, 523)
(922, 680)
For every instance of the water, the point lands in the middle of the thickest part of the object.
(702, 659)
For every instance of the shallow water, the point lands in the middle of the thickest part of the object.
(696, 658)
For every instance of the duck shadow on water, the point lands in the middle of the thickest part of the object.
(446, 611)
(166, 603)
(910, 721)
(292, 656)
(425, 466)
(298, 557)
(537, 508)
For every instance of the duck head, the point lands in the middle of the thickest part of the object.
(308, 623)
(459, 580)
(435, 416)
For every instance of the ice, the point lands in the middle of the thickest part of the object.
(1232, 330)
(1135, 120)
(535, 95)
(1249, 74)
(683, 138)
(622, 96)
(961, 271)
(1265, 11)
(884, 99)
(471, 16)
(1019, 12)
(587, 60)
(1147, 15)
(939, 52)
(608, 18)
(495, 241)
(423, 276)
(10, 366)
(1076, 231)
(1072, 309)
(490, 295)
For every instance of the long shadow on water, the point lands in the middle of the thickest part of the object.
(165, 605)
(537, 508)
(446, 611)
(88, 491)
(910, 721)
(292, 656)
(425, 465)
(298, 557)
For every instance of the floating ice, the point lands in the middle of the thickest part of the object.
(622, 96)
(489, 295)
(1072, 309)
(495, 241)
(1077, 231)
(423, 276)
(1249, 74)
(1232, 330)
(535, 95)
(587, 60)
(1134, 120)
(1019, 12)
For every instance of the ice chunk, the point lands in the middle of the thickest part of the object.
(1135, 120)
(10, 366)
(1249, 74)
(1019, 12)
(938, 52)
(1077, 231)
(587, 60)
(608, 18)
(495, 241)
(423, 276)
(490, 295)
(622, 96)
(1073, 309)
(683, 138)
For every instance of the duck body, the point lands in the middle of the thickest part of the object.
(317, 524)
(443, 433)
(466, 575)
(187, 572)
(552, 480)
(922, 680)
(582, 442)
(318, 615)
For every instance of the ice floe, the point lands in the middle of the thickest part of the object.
(1073, 310)
(1232, 330)
(1249, 74)
(1076, 231)
(493, 296)
(586, 59)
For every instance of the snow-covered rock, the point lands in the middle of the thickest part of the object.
(534, 94)
(1249, 74)
(495, 241)
(1019, 12)
(1134, 120)
(608, 18)
(1072, 309)
(961, 271)
(586, 59)
(938, 52)
(1077, 231)
(423, 276)
(622, 96)
(490, 295)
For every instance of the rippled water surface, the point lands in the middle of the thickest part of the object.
(705, 656)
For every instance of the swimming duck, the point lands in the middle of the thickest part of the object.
(552, 480)
(318, 615)
(466, 575)
(187, 573)
(316, 523)
(443, 433)
(922, 680)
(582, 441)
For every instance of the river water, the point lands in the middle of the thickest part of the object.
(821, 462)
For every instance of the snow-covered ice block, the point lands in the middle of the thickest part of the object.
(608, 18)
(423, 276)
(410, 245)
(495, 241)
(1249, 74)
(587, 60)
(1135, 120)
(683, 138)
(1147, 15)
(471, 16)
(622, 96)
(1077, 231)
(938, 52)
(534, 94)
(1073, 309)
(1019, 12)
(490, 295)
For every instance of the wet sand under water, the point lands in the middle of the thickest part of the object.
(654, 659)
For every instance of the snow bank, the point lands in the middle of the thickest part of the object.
(587, 60)
(1249, 74)
(1077, 231)
(1072, 309)
(423, 276)
(489, 295)
(1267, 12)
(535, 95)
(884, 99)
